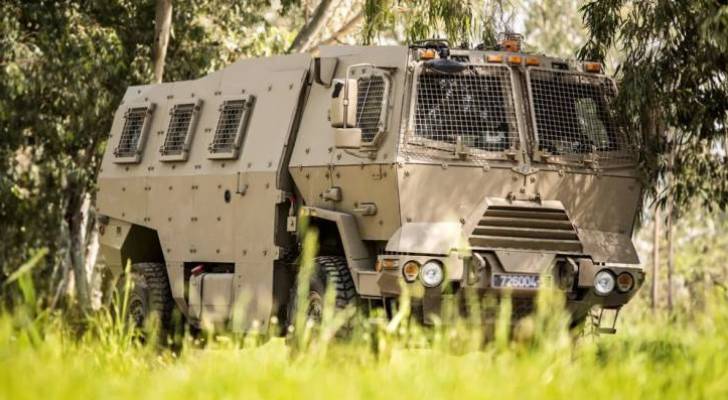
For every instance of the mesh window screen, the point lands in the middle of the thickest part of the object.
(573, 117)
(178, 129)
(230, 126)
(476, 104)
(370, 106)
(131, 132)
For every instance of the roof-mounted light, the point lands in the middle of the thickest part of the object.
(494, 58)
(593, 67)
(427, 54)
(533, 61)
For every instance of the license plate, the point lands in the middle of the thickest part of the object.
(515, 281)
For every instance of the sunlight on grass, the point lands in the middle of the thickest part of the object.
(354, 356)
(653, 357)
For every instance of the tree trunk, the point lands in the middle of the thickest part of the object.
(670, 208)
(162, 27)
(655, 258)
(76, 231)
(311, 29)
(668, 232)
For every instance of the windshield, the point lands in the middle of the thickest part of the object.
(572, 114)
(475, 104)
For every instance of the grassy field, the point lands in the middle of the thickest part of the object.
(651, 357)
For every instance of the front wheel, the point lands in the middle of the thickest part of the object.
(328, 270)
(149, 299)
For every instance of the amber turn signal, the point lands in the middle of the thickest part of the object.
(625, 282)
(494, 58)
(514, 59)
(592, 67)
(410, 271)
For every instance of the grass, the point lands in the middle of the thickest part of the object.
(651, 357)
(42, 355)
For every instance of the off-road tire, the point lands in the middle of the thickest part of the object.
(150, 295)
(327, 270)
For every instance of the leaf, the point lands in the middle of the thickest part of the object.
(27, 266)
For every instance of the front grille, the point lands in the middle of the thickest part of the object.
(573, 116)
(475, 105)
(178, 129)
(370, 106)
(526, 228)
(131, 132)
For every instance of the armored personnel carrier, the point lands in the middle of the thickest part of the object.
(422, 166)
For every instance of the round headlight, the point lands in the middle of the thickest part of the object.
(604, 283)
(432, 274)
(625, 282)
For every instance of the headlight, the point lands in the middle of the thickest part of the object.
(432, 273)
(625, 282)
(604, 282)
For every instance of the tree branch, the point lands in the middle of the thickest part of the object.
(343, 31)
(312, 27)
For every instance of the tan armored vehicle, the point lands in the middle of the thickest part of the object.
(436, 168)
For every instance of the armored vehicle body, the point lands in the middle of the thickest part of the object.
(422, 166)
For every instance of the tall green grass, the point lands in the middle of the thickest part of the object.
(652, 356)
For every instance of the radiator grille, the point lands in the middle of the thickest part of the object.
(230, 126)
(131, 132)
(370, 100)
(476, 104)
(178, 129)
(573, 116)
(528, 228)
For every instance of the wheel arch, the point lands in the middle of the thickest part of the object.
(353, 247)
(121, 241)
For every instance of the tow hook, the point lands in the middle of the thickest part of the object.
(601, 322)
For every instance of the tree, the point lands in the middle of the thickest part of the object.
(162, 27)
(553, 27)
(672, 79)
(461, 22)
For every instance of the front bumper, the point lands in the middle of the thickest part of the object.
(469, 274)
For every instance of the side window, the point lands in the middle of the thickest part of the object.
(371, 102)
(231, 128)
(181, 128)
(137, 120)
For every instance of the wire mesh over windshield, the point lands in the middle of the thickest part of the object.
(573, 117)
(475, 104)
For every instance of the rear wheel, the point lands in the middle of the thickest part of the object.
(328, 270)
(150, 298)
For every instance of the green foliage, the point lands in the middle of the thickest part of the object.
(461, 22)
(672, 74)
(553, 27)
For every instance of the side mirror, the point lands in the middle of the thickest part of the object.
(343, 103)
